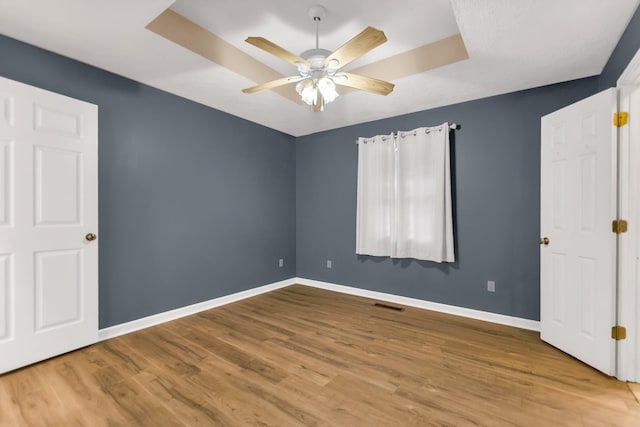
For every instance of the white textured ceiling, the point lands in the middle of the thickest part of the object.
(512, 45)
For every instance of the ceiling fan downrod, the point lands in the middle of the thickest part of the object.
(317, 12)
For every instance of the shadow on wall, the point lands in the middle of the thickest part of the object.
(444, 267)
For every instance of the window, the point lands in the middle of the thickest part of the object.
(404, 195)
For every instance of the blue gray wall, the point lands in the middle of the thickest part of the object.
(496, 162)
(194, 203)
(623, 53)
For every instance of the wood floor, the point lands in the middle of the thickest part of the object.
(304, 356)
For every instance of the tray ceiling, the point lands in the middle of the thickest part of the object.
(511, 45)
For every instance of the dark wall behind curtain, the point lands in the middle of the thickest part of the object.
(194, 203)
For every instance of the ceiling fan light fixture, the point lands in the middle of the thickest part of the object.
(327, 88)
(303, 68)
(307, 91)
(317, 67)
(333, 64)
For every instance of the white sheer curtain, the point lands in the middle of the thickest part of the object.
(404, 195)
(376, 195)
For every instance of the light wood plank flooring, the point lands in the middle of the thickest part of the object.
(304, 356)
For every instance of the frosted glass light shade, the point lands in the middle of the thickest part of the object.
(328, 89)
(308, 90)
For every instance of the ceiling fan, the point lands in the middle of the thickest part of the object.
(319, 69)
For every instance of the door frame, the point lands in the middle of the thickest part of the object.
(628, 313)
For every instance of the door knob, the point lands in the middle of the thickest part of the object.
(90, 237)
(544, 241)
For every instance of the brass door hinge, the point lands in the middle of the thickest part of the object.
(618, 333)
(620, 119)
(619, 226)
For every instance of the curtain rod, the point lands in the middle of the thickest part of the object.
(452, 126)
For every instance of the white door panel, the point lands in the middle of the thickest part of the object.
(6, 182)
(55, 168)
(6, 296)
(48, 204)
(578, 203)
(58, 288)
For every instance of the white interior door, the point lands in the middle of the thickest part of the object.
(48, 205)
(578, 204)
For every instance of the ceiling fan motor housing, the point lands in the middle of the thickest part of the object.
(315, 57)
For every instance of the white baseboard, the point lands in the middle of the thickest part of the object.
(156, 319)
(502, 319)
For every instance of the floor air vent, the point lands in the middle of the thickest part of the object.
(388, 307)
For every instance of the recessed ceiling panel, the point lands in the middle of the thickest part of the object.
(511, 45)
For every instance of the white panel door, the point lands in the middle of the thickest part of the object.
(48, 208)
(578, 204)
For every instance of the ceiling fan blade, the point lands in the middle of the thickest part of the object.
(424, 58)
(367, 40)
(178, 29)
(368, 84)
(272, 84)
(275, 50)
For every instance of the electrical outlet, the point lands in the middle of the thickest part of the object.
(329, 264)
(281, 263)
(491, 286)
